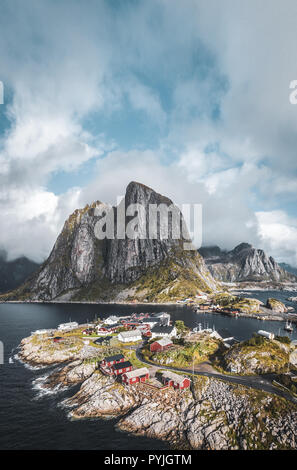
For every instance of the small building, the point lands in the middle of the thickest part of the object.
(122, 368)
(88, 331)
(105, 340)
(204, 307)
(162, 330)
(136, 376)
(161, 345)
(109, 328)
(129, 336)
(111, 320)
(151, 321)
(111, 360)
(58, 339)
(174, 380)
(266, 334)
(68, 326)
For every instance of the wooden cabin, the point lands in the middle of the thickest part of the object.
(136, 376)
(122, 367)
(111, 360)
(176, 381)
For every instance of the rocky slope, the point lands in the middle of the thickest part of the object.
(83, 267)
(243, 263)
(213, 415)
(258, 357)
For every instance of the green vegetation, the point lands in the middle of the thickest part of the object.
(177, 277)
(276, 305)
(283, 339)
(181, 328)
(184, 356)
(224, 299)
(257, 355)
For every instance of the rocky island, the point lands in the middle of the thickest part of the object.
(212, 413)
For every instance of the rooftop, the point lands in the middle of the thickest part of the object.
(122, 365)
(137, 372)
(173, 376)
(116, 357)
(162, 329)
(130, 334)
(164, 341)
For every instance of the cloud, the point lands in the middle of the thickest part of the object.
(278, 232)
(210, 82)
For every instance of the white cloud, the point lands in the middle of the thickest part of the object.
(278, 232)
(225, 68)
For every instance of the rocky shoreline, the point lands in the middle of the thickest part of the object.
(212, 414)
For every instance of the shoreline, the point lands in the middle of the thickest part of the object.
(261, 316)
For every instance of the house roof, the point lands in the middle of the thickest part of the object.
(162, 329)
(151, 320)
(137, 372)
(130, 334)
(173, 376)
(116, 357)
(114, 325)
(122, 365)
(164, 342)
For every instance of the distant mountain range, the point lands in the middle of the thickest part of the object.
(14, 273)
(244, 263)
(288, 268)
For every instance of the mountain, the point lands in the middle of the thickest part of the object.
(288, 268)
(14, 273)
(82, 266)
(243, 263)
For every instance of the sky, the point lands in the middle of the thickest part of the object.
(189, 97)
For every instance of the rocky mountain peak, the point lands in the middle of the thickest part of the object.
(244, 263)
(82, 259)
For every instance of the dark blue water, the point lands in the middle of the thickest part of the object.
(28, 421)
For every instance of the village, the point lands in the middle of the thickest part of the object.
(148, 348)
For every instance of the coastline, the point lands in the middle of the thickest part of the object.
(213, 414)
(261, 316)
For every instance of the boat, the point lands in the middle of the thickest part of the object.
(288, 326)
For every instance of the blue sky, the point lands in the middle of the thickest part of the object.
(191, 98)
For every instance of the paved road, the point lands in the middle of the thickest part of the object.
(259, 382)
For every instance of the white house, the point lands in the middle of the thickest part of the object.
(266, 334)
(161, 331)
(111, 320)
(129, 336)
(68, 326)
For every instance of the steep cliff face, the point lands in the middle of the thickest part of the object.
(85, 267)
(243, 263)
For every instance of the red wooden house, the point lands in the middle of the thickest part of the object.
(122, 368)
(111, 360)
(109, 328)
(135, 376)
(161, 345)
(176, 381)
